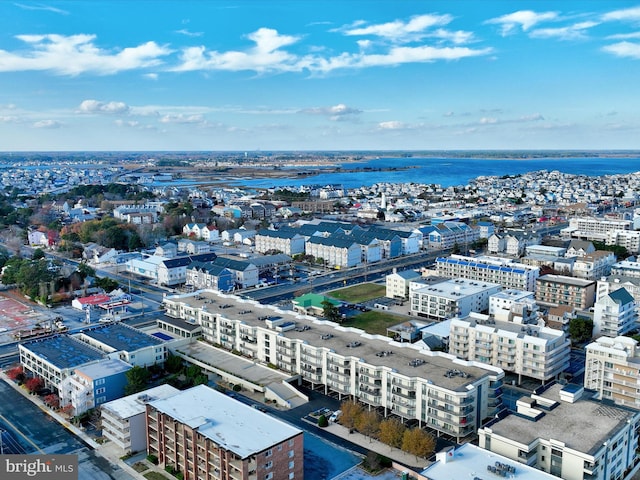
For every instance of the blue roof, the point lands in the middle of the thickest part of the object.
(64, 351)
(121, 337)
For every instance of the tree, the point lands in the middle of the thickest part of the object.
(330, 311)
(34, 384)
(86, 270)
(173, 363)
(52, 400)
(580, 329)
(137, 379)
(392, 432)
(16, 374)
(418, 442)
(350, 412)
(322, 421)
(38, 253)
(368, 423)
(106, 283)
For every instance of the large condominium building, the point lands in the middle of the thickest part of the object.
(397, 283)
(489, 269)
(55, 358)
(612, 369)
(626, 268)
(336, 252)
(451, 298)
(554, 290)
(536, 352)
(446, 394)
(614, 314)
(629, 239)
(285, 241)
(594, 265)
(568, 436)
(595, 228)
(207, 435)
(518, 306)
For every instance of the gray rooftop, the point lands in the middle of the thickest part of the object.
(136, 404)
(104, 368)
(121, 337)
(582, 426)
(231, 424)
(64, 351)
(337, 338)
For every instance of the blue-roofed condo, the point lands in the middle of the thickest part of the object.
(92, 385)
(127, 343)
(55, 358)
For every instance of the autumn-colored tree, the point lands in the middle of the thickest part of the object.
(67, 409)
(392, 432)
(350, 412)
(52, 400)
(418, 442)
(16, 373)
(368, 423)
(34, 384)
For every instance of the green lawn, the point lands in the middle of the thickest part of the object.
(374, 322)
(359, 293)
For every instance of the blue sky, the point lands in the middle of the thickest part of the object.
(319, 75)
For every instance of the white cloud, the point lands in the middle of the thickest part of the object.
(265, 56)
(626, 14)
(183, 119)
(525, 19)
(392, 125)
(399, 30)
(488, 120)
(151, 76)
(623, 49)
(95, 106)
(188, 33)
(47, 124)
(571, 32)
(335, 112)
(77, 54)
(39, 6)
(624, 36)
(457, 37)
(9, 119)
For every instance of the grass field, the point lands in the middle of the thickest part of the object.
(374, 322)
(359, 293)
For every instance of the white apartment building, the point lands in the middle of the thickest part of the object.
(124, 420)
(594, 265)
(451, 298)
(507, 273)
(612, 369)
(336, 252)
(611, 283)
(629, 239)
(590, 228)
(286, 241)
(614, 314)
(511, 305)
(397, 283)
(448, 395)
(568, 435)
(626, 268)
(533, 351)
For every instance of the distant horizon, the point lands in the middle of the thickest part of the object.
(291, 76)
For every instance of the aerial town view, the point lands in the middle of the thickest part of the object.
(321, 240)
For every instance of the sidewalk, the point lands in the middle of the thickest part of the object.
(394, 454)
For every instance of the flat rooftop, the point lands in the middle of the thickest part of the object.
(582, 426)
(517, 329)
(231, 424)
(104, 368)
(344, 341)
(179, 323)
(136, 404)
(63, 351)
(121, 337)
(456, 288)
(470, 461)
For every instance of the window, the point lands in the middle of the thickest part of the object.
(291, 464)
(268, 476)
(100, 381)
(100, 390)
(291, 453)
(291, 475)
(268, 465)
(268, 453)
